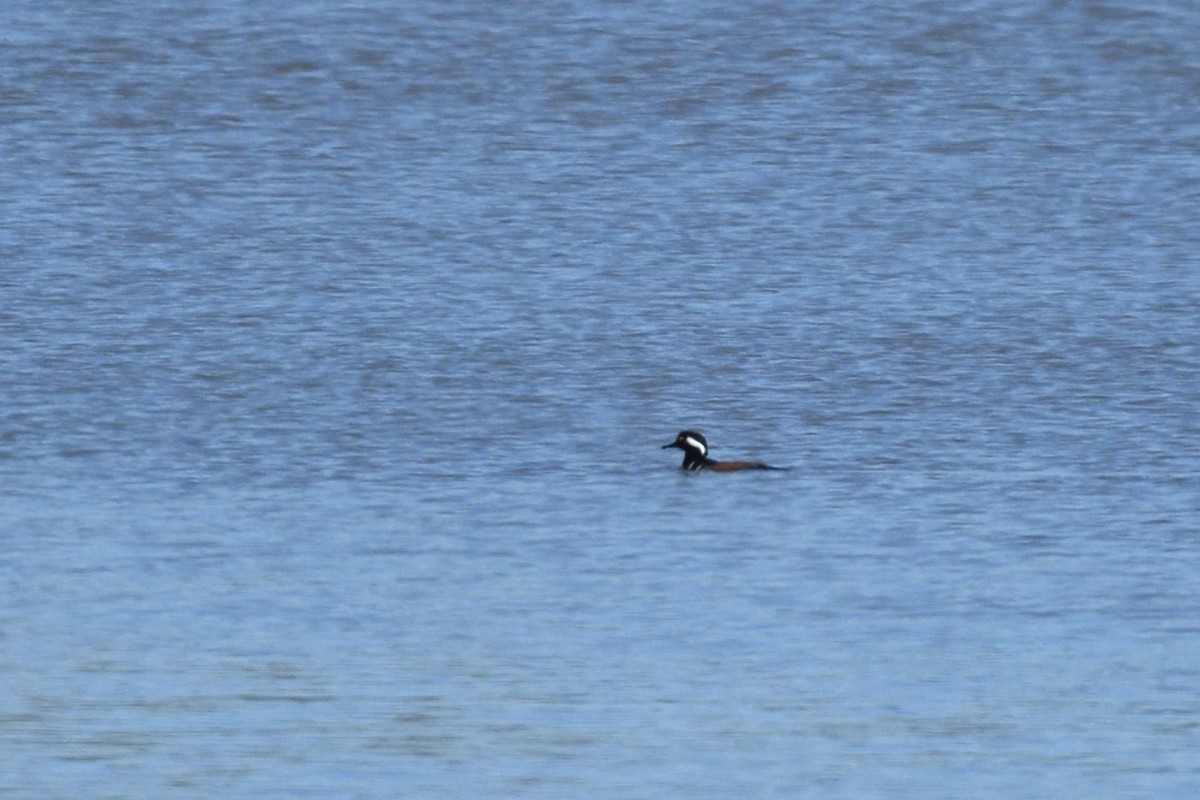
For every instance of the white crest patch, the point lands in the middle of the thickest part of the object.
(696, 444)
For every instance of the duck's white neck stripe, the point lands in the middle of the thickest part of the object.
(697, 445)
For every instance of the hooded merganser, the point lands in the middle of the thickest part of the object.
(695, 455)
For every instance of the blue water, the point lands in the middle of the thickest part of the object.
(338, 344)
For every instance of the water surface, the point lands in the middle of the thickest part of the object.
(339, 345)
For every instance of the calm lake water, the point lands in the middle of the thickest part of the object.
(338, 343)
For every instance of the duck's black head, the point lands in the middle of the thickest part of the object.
(694, 447)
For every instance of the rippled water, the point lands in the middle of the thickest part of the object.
(339, 344)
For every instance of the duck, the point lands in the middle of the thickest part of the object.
(695, 456)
